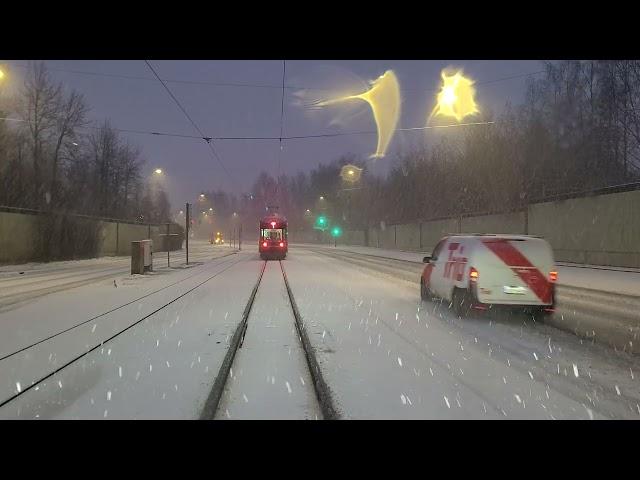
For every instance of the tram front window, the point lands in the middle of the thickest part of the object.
(275, 234)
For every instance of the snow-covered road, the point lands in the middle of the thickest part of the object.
(152, 348)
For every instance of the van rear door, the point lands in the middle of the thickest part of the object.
(514, 271)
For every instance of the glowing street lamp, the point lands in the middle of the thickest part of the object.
(158, 171)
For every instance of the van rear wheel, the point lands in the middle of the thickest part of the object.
(540, 314)
(461, 300)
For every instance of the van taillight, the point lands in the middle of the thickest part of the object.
(264, 244)
(282, 244)
(473, 274)
(553, 276)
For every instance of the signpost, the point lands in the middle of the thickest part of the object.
(187, 223)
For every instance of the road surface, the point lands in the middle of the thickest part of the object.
(361, 345)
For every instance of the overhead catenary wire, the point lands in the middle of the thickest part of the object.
(256, 85)
(292, 137)
(208, 140)
(284, 72)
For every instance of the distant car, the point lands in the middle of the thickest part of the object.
(217, 239)
(476, 272)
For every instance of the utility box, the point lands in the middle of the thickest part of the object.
(141, 256)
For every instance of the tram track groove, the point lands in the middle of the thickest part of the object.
(321, 390)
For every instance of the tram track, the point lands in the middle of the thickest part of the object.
(220, 392)
(76, 357)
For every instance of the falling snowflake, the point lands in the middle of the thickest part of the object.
(575, 370)
(446, 400)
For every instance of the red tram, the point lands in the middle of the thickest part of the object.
(273, 237)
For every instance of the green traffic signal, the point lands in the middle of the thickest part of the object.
(321, 221)
(336, 231)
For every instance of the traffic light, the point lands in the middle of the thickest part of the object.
(321, 222)
(336, 231)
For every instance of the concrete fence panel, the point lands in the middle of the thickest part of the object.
(433, 231)
(599, 230)
(408, 236)
(502, 223)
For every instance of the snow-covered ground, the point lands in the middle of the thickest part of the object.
(607, 279)
(386, 354)
(154, 357)
(152, 346)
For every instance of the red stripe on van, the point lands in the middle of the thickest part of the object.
(530, 275)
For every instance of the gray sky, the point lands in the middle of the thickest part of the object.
(239, 111)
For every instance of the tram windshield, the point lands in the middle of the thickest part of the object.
(273, 234)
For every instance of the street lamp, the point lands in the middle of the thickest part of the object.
(321, 197)
(158, 171)
(202, 196)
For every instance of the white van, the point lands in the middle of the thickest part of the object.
(477, 271)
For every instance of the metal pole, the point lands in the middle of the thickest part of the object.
(186, 229)
(240, 238)
(168, 239)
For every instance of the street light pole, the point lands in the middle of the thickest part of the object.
(187, 223)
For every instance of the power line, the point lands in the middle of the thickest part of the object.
(293, 137)
(208, 140)
(256, 85)
(122, 130)
(284, 72)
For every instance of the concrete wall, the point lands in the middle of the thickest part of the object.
(602, 230)
(15, 231)
(408, 236)
(354, 237)
(599, 230)
(502, 223)
(433, 231)
(19, 233)
(387, 237)
(108, 234)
